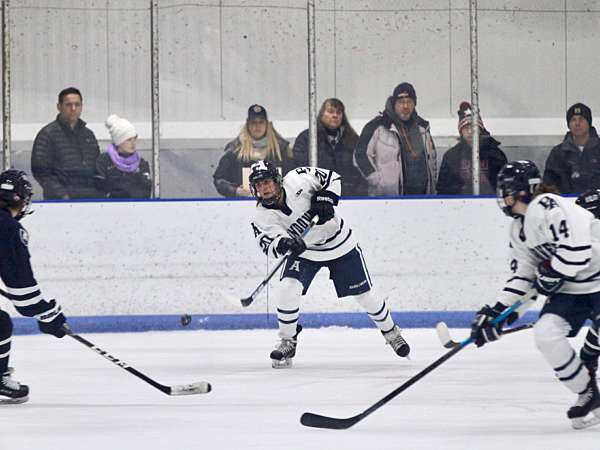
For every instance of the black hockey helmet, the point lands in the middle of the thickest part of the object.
(590, 200)
(264, 170)
(517, 179)
(16, 191)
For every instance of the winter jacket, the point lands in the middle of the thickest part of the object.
(378, 155)
(230, 173)
(571, 170)
(337, 157)
(114, 183)
(63, 160)
(456, 175)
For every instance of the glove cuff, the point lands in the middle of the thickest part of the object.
(335, 199)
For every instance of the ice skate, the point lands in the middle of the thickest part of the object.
(395, 339)
(281, 357)
(11, 391)
(587, 402)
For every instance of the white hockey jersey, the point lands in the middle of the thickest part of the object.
(556, 229)
(324, 242)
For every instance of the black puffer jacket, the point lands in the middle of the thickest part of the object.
(455, 177)
(337, 158)
(114, 183)
(63, 160)
(571, 170)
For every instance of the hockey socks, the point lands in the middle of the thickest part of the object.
(377, 311)
(381, 316)
(6, 328)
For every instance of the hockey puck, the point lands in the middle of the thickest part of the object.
(186, 319)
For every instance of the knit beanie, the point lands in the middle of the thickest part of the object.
(405, 90)
(579, 109)
(465, 116)
(120, 129)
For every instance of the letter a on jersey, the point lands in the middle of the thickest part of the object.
(295, 266)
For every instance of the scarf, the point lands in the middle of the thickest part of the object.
(128, 164)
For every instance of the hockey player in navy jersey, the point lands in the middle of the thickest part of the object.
(17, 276)
(555, 248)
(284, 210)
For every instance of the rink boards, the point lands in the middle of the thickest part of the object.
(127, 266)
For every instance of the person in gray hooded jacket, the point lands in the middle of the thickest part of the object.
(395, 151)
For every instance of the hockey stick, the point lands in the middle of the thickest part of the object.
(317, 421)
(530, 298)
(444, 333)
(201, 387)
(247, 301)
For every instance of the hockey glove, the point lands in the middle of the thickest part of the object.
(295, 245)
(322, 204)
(548, 280)
(55, 326)
(482, 330)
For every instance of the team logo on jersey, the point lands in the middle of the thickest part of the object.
(24, 236)
(295, 266)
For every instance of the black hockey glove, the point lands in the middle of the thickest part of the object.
(295, 245)
(322, 204)
(55, 326)
(548, 280)
(482, 330)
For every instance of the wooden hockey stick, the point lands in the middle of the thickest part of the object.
(247, 301)
(317, 421)
(201, 387)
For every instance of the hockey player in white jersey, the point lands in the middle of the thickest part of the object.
(555, 251)
(284, 210)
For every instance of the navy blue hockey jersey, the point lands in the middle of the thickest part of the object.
(16, 273)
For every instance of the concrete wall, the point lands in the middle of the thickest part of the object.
(217, 57)
(174, 257)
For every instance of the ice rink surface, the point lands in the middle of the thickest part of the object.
(500, 397)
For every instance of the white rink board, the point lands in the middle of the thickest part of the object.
(200, 256)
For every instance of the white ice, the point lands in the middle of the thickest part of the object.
(502, 396)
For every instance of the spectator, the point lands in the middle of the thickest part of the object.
(121, 172)
(257, 140)
(64, 152)
(456, 174)
(395, 151)
(336, 140)
(574, 165)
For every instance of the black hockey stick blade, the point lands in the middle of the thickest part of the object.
(201, 387)
(318, 421)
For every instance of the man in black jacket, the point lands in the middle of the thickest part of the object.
(64, 153)
(573, 166)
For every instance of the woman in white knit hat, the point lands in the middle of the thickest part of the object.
(121, 172)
